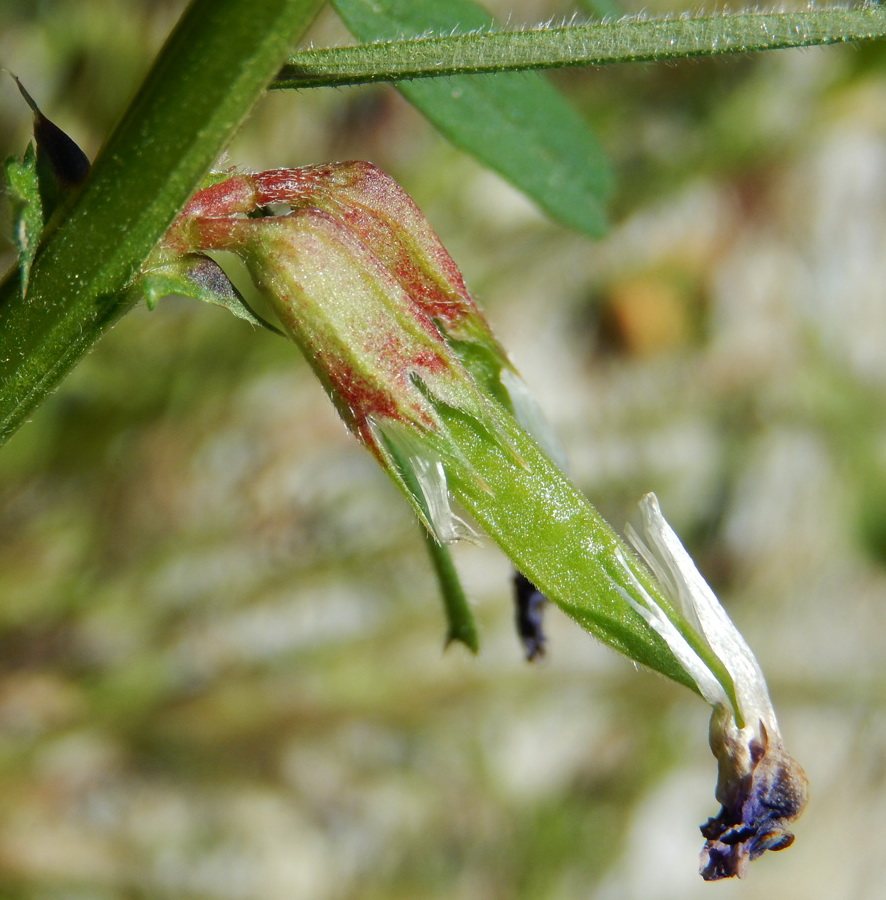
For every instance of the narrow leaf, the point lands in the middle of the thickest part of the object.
(517, 124)
(461, 625)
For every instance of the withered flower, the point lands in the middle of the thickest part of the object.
(761, 788)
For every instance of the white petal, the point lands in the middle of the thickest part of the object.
(708, 685)
(674, 567)
(419, 472)
(431, 478)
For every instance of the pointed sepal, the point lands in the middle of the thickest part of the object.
(26, 207)
(199, 277)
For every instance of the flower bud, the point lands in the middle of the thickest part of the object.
(358, 279)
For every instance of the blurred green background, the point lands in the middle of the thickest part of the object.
(221, 662)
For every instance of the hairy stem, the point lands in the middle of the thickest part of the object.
(578, 45)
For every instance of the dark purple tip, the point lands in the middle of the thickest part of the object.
(528, 614)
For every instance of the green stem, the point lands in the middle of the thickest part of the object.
(578, 45)
(212, 69)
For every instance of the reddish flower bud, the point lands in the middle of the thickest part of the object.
(357, 277)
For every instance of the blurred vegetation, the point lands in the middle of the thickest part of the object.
(221, 665)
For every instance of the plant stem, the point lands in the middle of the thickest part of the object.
(578, 45)
(214, 66)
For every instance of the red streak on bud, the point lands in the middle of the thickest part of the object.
(358, 400)
(389, 222)
(431, 301)
(429, 361)
(233, 195)
(388, 391)
(360, 403)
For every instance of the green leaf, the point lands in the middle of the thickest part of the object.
(23, 190)
(515, 123)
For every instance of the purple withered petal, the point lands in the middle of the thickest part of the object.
(758, 806)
